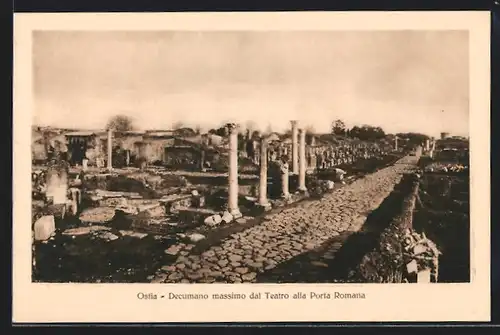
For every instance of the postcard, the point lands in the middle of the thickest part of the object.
(251, 167)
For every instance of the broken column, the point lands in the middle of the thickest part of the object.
(295, 149)
(285, 176)
(233, 171)
(57, 183)
(302, 160)
(110, 149)
(263, 202)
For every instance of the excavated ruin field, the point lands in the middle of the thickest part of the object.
(442, 212)
(108, 254)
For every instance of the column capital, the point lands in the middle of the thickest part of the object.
(294, 122)
(232, 127)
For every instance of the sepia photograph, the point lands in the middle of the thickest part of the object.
(251, 156)
(157, 157)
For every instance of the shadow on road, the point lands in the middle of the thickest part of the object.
(335, 258)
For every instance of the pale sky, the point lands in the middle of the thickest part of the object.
(397, 80)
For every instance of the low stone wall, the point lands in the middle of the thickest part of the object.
(387, 263)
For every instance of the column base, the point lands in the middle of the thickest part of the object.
(286, 196)
(303, 191)
(263, 207)
(235, 213)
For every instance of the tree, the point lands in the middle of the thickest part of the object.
(310, 129)
(250, 126)
(255, 135)
(184, 132)
(120, 123)
(367, 133)
(197, 130)
(338, 127)
(269, 129)
(413, 139)
(178, 125)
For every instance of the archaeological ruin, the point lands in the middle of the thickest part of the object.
(206, 208)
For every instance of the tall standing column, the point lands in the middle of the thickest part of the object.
(302, 161)
(396, 143)
(263, 202)
(110, 149)
(295, 149)
(233, 171)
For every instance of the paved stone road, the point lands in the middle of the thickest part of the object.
(284, 235)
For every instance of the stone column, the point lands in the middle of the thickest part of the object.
(314, 162)
(263, 202)
(110, 149)
(427, 145)
(202, 160)
(127, 158)
(302, 161)
(233, 171)
(396, 143)
(295, 149)
(285, 175)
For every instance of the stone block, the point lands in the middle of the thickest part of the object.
(195, 237)
(217, 219)
(209, 221)
(44, 228)
(213, 220)
(227, 217)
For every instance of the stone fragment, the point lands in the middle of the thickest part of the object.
(235, 258)
(44, 228)
(196, 237)
(133, 234)
(241, 270)
(175, 276)
(249, 276)
(209, 221)
(222, 263)
(173, 250)
(108, 236)
(227, 217)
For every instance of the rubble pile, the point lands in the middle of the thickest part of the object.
(440, 167)
(420, 255)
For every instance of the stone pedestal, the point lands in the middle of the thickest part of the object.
(233, 208)
(302, 161)
(295, 149)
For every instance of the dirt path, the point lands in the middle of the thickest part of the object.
(282, 236)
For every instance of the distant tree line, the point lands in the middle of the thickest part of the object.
(364, 132)
(372, 133)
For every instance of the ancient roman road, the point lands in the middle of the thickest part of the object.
(284, 235)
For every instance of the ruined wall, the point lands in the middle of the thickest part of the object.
(387, 263)
(152, 150)
(38, 152)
